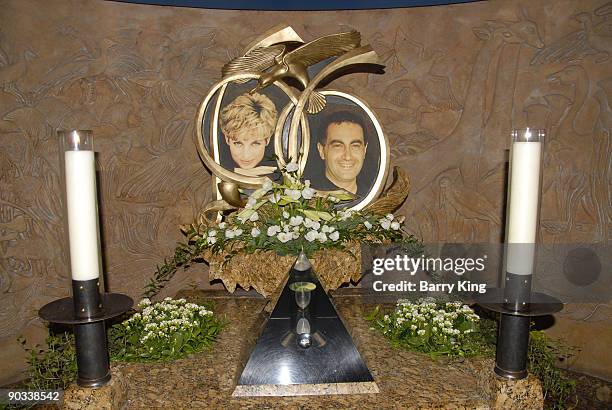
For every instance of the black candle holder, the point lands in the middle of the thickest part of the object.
(517, 305)
(86, 311)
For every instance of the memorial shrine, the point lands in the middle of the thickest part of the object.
(343, 204)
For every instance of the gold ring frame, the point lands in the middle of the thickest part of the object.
(212, 161)
(293, 149)
(277, 54)
(300, 151)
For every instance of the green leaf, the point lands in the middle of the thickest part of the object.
(373, 314)
(178, 341)
(245, 214)
(343, 196)
(314, 215)
(284, 200)
(326, 216)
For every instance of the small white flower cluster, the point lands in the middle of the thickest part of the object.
(296, 194)
(345, 214)
(161, 320)
(233, 233)
(388, 222)
(299, 191)
(427, 317)
(211, 236)
(293, 227)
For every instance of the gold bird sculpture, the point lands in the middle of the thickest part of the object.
(277, 61)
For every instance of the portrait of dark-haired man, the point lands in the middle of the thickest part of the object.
(344, 155)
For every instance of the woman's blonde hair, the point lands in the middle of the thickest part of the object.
(249, 111)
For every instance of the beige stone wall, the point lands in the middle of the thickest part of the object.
(458, 78)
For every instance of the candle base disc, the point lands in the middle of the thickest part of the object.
(540, 304)
(62, 310)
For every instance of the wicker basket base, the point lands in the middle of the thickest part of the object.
(266, 272)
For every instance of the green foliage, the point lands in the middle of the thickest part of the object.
(181, 328)
(184, 254)
(53, 367)
(292, 217)
(559, 390)
(438, 329)
(543, 354)
(50, 367)
(287, 219)
(167, 330)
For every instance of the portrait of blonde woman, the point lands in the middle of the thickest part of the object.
(247, 124)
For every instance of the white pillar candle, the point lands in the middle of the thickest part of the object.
(523, 204)
(82, 209)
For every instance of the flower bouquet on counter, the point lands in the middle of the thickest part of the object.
(256, 244)
(166, 330)
(437, 328)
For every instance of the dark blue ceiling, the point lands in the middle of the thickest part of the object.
(297, 4)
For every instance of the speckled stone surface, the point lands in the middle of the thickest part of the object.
(112, 396)
(306, 389)
(508, 394)
(208, 379)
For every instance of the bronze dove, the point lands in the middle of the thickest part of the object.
(282, 63)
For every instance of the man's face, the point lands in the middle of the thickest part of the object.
(247, 147)
(344, 151)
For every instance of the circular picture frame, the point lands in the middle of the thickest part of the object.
(212, 104)
(379, 151)
(283, 148)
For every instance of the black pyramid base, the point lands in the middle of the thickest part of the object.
(279, 366)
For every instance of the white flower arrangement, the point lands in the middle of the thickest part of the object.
(290, 217)
(168, 329)
(285, 218)
(431, 327)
